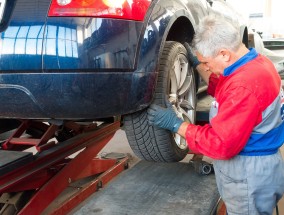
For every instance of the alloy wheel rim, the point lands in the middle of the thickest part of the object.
(182, 94)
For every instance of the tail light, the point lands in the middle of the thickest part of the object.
(121, 9)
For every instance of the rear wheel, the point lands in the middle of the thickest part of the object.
(176, 83)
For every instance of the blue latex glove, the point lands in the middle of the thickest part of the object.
(164, 117)
(191, 56)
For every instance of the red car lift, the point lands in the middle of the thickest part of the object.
(29, 182)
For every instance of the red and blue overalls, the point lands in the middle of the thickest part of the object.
(245, 134)
(250, 111)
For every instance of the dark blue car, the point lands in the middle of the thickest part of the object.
(85, 60)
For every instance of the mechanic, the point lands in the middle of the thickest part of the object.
(246, 128)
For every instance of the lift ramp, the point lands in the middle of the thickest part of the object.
(155, 188)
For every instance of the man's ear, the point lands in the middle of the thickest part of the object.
(226, 54)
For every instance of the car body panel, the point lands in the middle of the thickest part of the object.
(54, 95)
(90, 43)
(157, 27)
(21, 37)
(84, 67)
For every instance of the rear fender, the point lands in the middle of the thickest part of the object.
(156, 30)
(162, 15)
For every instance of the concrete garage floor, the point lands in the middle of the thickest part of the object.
(149, 188)
(120, 144)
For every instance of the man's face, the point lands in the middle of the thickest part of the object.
(215, 64)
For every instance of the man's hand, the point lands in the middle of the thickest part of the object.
(202, 68)
(164, 117)
(191, 56)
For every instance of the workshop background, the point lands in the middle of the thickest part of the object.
(265, 19)
(264, 16)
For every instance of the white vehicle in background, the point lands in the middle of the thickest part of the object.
(273, 49)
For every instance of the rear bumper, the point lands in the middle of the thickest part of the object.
(74, 95)
(89, 76)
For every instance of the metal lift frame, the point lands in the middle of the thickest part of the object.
(51, 171)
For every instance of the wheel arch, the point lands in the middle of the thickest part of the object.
(185, 27)
(181, 21)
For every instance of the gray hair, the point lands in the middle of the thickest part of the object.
(214, 33)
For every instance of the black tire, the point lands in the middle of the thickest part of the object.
(156, 144)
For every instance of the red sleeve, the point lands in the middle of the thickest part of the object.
(230, 129)
(213, 81)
